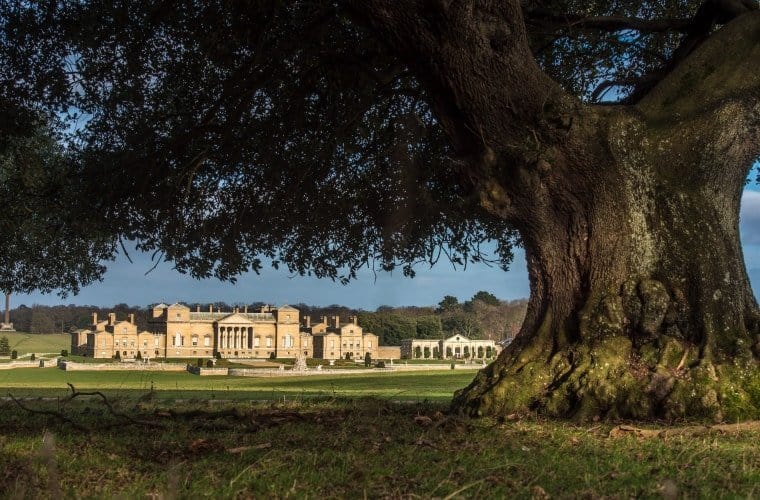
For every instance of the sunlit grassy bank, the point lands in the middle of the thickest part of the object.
(37, 343)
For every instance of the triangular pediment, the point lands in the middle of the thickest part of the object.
(235, 318)
(457, 338)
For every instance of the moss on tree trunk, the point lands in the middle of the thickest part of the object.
(640, 303)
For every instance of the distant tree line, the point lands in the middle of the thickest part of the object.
(484, 316)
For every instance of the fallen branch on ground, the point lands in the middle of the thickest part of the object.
(687, 431)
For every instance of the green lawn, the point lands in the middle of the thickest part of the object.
(359, 448)
(434, 385)
(38, 342)
(333, 437)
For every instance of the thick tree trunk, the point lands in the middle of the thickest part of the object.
(640, 303)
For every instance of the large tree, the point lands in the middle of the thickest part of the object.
(326, 135)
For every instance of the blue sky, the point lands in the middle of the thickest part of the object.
(127, 282)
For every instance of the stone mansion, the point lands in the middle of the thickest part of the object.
(177, 332)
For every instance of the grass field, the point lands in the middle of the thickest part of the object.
(437, 386)
(37, 343)
(355, 448)
(323, 437)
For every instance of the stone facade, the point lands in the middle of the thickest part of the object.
(177, 332)
(454, 347)
(336, 340)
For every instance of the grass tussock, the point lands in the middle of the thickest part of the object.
(348, 448)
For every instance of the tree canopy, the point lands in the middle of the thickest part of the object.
(45, 245)
(222, 134)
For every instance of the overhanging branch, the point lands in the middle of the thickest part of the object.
(552, 21)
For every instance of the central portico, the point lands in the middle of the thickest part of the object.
(231, 334)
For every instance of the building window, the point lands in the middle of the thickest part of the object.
(124, 330)
(269, 341)
(287, 341)
(145, 343)
(256, 341)
(155, 342)
(207, 340)
(194, 340)
(305, 342)
(178, 315)
(332, 344)
(369, 345)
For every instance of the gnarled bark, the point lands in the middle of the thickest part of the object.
(640, 303)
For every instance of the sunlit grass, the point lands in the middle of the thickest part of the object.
(433, 385)
(37, 343)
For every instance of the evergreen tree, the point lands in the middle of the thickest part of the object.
(5, 346)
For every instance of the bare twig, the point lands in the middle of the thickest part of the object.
(107, 403)
(51, 413)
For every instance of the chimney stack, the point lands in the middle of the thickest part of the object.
(245, 309)
(94, 318)
(211, 308)
(111, 319)
(336, 321)
(235, 310)
(307, 321)
(132, 318)
(197, 308)
(355, 320)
